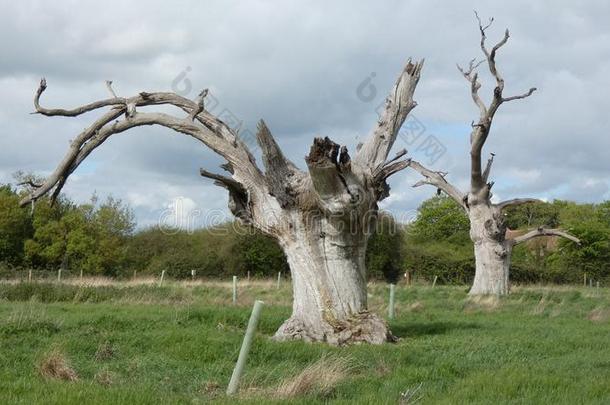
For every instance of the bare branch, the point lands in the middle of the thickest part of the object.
(200, 106)
(488, 167)
(472, 77)
(389, 169)
(398, 155)
(480, 131)
(207, 128)
(519, 97)
(544, 232)
(239, 199)
(278, 169)
(438, 180)
(29, 183)
(516, 202)
(110, 90)
(399, 103)
(73, 112)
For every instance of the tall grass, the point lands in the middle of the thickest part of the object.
(132, 343)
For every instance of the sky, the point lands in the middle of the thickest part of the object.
(309, 68)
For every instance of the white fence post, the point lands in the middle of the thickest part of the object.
(234, 289)
(245, 348)
(391, 307)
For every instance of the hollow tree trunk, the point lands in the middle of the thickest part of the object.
(321, 217)
(492, 252)
(329, 288)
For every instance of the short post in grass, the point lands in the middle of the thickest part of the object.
(81, 275)
(245, 348)
(391, 306)
(584, 278)
(434, 281)
(590, 283)
(193, 272)
(248, 275)
(597, 285)
(135, 272)
(59, 275)
(29, 275)
(162, 277)
(234, 290)
(279, 279)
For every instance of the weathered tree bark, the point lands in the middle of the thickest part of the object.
(492, 250)
(329, 286)
(321, 218)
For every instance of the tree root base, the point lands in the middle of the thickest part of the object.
(362, 328)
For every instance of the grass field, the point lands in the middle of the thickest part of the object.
(128, 343)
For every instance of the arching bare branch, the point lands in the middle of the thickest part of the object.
(516, 202)
(207, 128)
(544, 232)
(438, 180)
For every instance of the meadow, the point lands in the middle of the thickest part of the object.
(133, 342)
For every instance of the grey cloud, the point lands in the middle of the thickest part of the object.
(297, 65)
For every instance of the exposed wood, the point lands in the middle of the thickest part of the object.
(278, 170)
(438, 180)
(544, 232)
(399, 103)
(516, 201)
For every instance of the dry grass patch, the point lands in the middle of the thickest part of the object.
(599, 315)
(319, 378)
(54, 365)
(105, 351)
(486, 303)
(540, 307)
(417, 306)
(104, 377)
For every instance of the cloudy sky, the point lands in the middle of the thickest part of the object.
(309, 68)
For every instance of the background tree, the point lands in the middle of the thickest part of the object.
(385, 257)
(321, 218)
(256, 253)
(438, 243)
(15, 226)
(492, 248)
(90, 237)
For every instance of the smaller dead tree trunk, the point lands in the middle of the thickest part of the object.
(492, 250)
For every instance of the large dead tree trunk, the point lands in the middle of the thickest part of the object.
(321, 218)
(492, 250)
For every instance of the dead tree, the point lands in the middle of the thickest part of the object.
(492, 249)
(321, 218)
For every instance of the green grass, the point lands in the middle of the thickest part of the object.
(140, 344)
